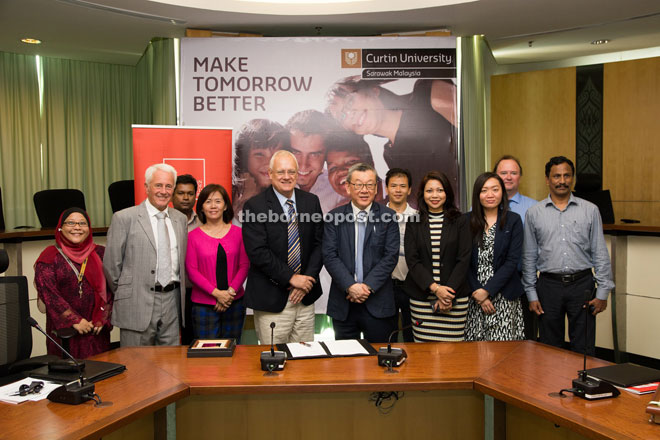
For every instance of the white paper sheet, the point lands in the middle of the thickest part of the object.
(306, 349)
(345, 347)
(7, 391)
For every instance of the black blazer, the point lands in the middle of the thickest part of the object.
(506, 257)
(381, 253)
(266, 245)
(455, 249)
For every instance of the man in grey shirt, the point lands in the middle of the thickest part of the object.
(564, 241)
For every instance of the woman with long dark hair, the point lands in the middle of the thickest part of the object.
(437, 247)
(494, 312)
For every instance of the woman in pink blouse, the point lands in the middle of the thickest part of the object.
(217, 265)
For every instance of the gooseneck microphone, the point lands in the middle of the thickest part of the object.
(389, 340)
(272, 338)
(272, 360)
(393, 357)
(584, 386)
(72, 393)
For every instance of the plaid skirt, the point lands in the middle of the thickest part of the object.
(209, 324)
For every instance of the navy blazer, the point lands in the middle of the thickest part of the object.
(506, 257)
(381, 254)
(266, 245)
(454, 257)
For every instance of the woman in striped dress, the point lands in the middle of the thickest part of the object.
(438, 247)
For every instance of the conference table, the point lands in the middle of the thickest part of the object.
(467, 390)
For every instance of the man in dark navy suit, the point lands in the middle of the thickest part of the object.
(360, 251)
(282, 233)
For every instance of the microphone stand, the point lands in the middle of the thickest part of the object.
(583, 386)
(72, 393)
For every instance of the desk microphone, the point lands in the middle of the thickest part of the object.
(73, 393)
(393, 357)
(272, 360)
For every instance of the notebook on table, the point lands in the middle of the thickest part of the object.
(625, 375)
(94, 371)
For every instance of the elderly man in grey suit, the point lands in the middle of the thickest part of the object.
(144, 264)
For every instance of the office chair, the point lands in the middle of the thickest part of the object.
(4, 260)
(122, 194)
(2, 215)
(15, 331)
(588, 187)
(50, 204)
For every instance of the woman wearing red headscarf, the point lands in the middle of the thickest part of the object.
(69, 280)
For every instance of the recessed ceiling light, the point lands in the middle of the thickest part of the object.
(30, 41)
(597, 42)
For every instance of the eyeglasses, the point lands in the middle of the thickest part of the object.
(69, 223)
(359, 186)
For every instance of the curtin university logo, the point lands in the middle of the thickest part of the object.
(351, 58)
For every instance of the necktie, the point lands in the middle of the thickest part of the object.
(294, 239)
(362, 228)
(164, 257)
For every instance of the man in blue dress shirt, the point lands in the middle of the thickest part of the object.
(564, 241)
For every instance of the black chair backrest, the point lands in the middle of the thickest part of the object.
(50, 204)
(15, 331)
(122, 194)
(2, 215)
(4, 260)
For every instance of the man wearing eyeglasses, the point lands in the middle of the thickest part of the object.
(360, 251)
(282, 233)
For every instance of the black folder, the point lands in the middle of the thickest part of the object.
(94, 371)
(625, 375)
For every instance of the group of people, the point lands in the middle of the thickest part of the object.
(172, 273)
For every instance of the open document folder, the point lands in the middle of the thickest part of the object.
(348, 347)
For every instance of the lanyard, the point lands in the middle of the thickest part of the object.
(80, 274)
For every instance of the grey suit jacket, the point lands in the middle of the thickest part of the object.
(130, 264)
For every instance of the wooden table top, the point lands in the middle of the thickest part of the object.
(139, 391)
(631, 229)
(519, 373)
(532, 371)
(429, 366)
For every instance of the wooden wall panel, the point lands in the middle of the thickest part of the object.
(451, 414)
(533, 118)
(631, 138)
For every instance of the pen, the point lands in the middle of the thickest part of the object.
(306, 344)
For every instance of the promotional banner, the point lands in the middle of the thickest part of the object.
(202, 152)
(388, 101)
(333, 102)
